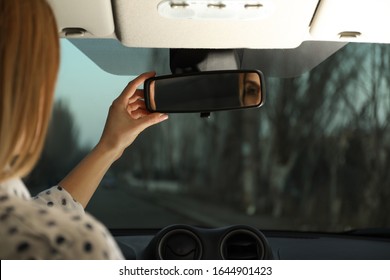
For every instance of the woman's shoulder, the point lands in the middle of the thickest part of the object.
(32, 231)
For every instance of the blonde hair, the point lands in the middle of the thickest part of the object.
(29, 61)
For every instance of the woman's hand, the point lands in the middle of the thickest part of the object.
(128, 117)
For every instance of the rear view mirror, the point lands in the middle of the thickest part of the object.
(205, 91)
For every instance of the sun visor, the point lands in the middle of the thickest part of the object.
(352, 21)
(86, 18)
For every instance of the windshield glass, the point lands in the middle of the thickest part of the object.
(316, 156)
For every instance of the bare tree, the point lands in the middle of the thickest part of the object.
(61, 151)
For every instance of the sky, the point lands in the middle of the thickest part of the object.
(88, 91)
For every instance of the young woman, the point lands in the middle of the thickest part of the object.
(53, 224)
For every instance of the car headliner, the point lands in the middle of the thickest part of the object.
(291, 39)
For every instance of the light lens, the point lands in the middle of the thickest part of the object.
(207, 10)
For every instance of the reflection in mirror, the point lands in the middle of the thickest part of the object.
(204, 91)
(250, 89)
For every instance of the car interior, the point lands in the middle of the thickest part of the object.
(289, 46)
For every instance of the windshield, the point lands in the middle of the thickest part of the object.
(316, 156)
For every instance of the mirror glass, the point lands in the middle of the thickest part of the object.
(204, 91)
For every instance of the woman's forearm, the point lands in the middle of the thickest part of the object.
(84, 179)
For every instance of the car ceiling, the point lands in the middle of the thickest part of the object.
(283, 38)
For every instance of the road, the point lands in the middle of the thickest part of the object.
(121, 208)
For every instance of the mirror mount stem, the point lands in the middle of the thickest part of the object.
(205, 115)
(202, 60)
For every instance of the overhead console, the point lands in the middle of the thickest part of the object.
(283, 24)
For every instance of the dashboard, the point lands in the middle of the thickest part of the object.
(240, 242)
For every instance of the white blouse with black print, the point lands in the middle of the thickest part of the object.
(51, 225)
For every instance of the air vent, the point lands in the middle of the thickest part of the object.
(180, 244)
(242, 244)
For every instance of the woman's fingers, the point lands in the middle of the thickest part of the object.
(136, 105)
(131, 87)
(151, 119)
(139, 113)
(139, 94)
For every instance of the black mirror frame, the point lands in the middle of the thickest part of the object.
(148, 81)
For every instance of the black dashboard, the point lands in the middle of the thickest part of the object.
(241, 242)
